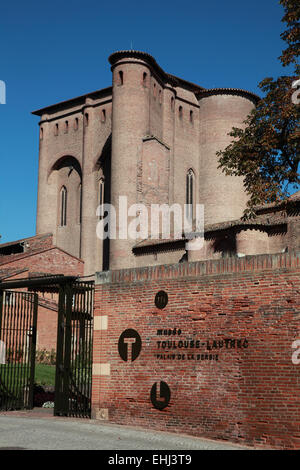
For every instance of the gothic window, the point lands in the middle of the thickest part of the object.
(101, 196)
(190, 180)
(79, 203)
(63, 206)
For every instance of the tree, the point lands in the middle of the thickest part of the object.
(266, 151)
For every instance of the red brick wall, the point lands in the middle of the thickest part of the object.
(46, 325)
(247, 392)
(51, 261)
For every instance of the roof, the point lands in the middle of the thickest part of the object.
(172, 79)
(175, 81)
(9, 272)
(228, 91)
(79, 100)
(270, 221)
(21, 240)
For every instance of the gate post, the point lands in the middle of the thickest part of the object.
(59, 351)
(32, 350)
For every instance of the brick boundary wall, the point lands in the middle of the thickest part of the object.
(225, 345)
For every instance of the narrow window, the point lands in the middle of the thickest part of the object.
(101, 197)
(144, 79)
(86, 119)
(63, 206)
(121, 78)
(191, 117)
(190, 195)
(56, 129)
(154, 90)
(172, 103)
(103, 115)
(180, 112)
(41, 133)
(66, 127)
(80, 203)
(76, 124)
(160, 96)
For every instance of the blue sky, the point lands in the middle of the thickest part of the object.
(54, 50)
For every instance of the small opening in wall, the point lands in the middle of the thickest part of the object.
(154, 90)
(63, 206)
(80, 203)
(103, 115)
(191, 117)
(180, 112)
(76, 124)
(41, 133)
(172, 103)
(66, 127)
(56, 129)
(86, 119)
(160, 96)
(121, 78)
(144, 79)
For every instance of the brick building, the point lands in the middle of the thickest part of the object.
(34, 257)
(151, 137)
(233, 370)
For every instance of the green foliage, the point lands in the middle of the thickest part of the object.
(266, 151)
(45, 357)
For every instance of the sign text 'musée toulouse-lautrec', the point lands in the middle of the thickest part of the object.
(177, 346)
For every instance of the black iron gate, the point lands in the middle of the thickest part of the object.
(73, 381)
(18, 319)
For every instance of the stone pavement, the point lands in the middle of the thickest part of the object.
(41, 431)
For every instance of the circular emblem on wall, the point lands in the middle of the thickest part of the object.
(129, 345)
(161, 299)
(160, 395)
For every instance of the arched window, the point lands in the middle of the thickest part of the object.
(66, 127)
(75, 124)
(121, 78)
(101, 196)
(86, 119)
(190, 178)
(56, 129)
(63, 206)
